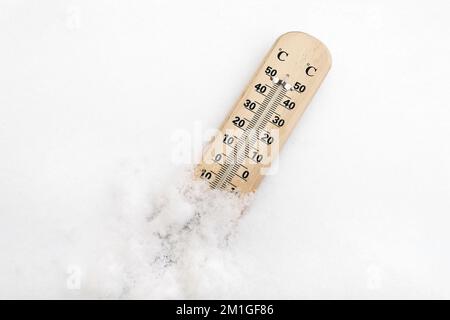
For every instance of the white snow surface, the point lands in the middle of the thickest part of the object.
(93, 205)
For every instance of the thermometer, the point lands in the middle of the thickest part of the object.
(250, 138)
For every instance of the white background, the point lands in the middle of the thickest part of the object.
(90, 92)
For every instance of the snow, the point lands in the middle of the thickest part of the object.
(177, 248)
(96, 203)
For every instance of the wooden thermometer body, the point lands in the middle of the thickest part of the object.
(250, 138)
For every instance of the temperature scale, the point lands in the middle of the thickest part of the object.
(250, 138)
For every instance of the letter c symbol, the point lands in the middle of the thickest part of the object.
(282, 54)
(309, 72)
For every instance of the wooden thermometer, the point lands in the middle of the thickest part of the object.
(238, 157)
